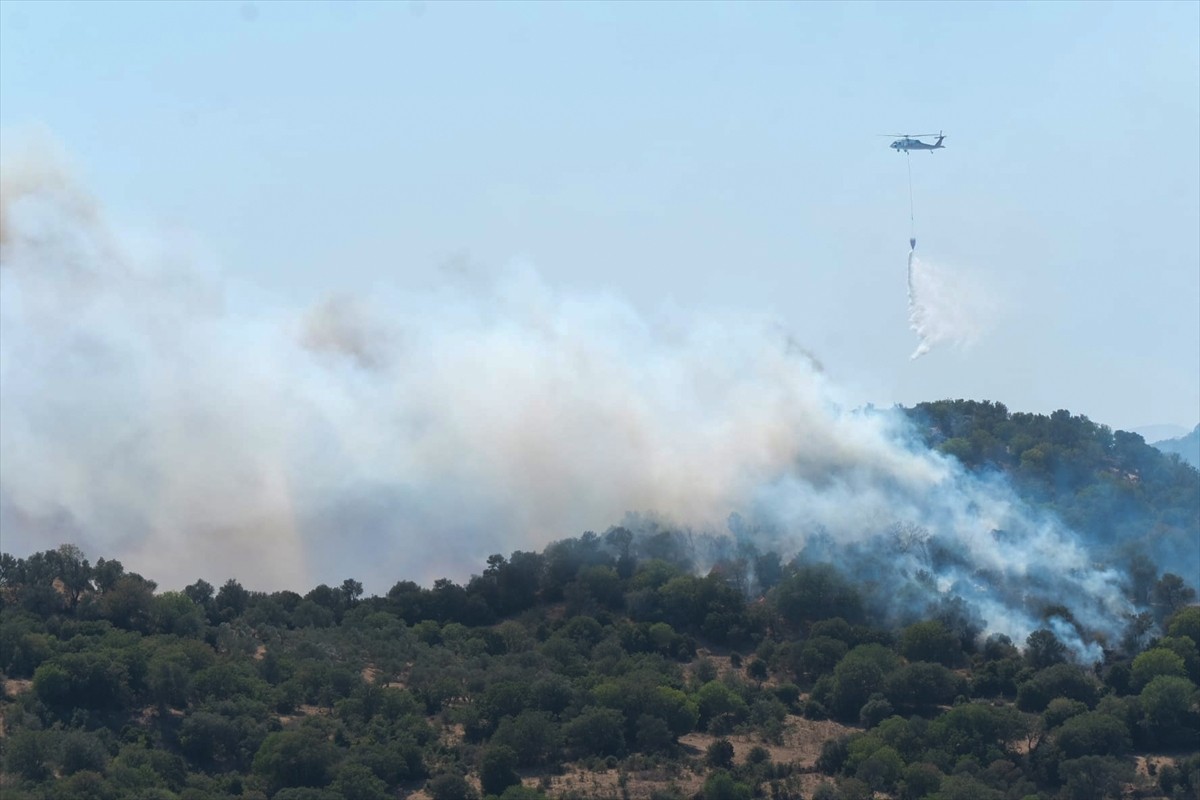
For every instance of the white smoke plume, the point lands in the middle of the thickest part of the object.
(410, 437)
(943, 307)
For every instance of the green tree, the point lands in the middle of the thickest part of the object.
(520, 792)
(74, 573)
(1059, 711)
(722, 786)
(875, 710)
(814, 592)
(106, 574)
(1168, 704)
(1060, 680)
(859, 675)
(919, 780)
(129, 603)
(716, 699)
(208, 738)
(596, 731)
(834, 753)
(1094, 778)
(1169, 595)
(966, 787)
(532, 735)
(357, 782)
(719, 754)
(881, 770)
(670, 705)
(295, 758)
(28, 754)
(305, 793)
(497, 769)
(79, 751)
(1093, 733)
(1185, 622)
(817, 656)
(450, 786)
(201, 593)
(90, 680)
(85, 785)
(169, 679)
(231, 600)
(1184, 647)
(930, 641)
(1152, 663)
(1043, 649)
(974, 729)
(653, 734)
(854, 789)
(175, 613)
(922, 685)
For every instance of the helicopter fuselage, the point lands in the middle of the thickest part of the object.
(904, 145)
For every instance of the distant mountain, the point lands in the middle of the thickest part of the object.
(1187, 447)
(1156, 433)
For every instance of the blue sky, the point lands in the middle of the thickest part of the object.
(715, 155)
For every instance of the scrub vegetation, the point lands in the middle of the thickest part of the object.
(648, 664)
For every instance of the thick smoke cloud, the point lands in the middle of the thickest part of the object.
(413, 435)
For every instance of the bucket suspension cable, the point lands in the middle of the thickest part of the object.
(912, 222)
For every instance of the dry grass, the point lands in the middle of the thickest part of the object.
(1144, 763)
(373, 674)
(800, 748)
(606, 784)
(801, 745)
(303, 711)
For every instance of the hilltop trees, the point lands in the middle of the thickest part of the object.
(1108, 485)
(333, 694)
(607, 650)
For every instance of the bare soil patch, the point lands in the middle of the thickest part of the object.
(1144, 764)
(607, 784)
(303, 711)
(801, 745)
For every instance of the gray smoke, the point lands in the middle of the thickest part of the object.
(341, 328)
(412, 436)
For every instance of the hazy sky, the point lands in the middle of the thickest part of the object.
(711, 155)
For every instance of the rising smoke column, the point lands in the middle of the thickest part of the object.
(411, 436)
(122, 389)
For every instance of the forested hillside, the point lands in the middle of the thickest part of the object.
(1128, 499)
(656, 664)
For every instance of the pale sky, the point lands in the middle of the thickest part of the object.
(712, 155)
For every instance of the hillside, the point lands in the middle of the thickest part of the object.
(1126, 499)
(1186, 447)
(590, 670)
(654, 663)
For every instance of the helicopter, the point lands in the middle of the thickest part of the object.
(908, 142)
